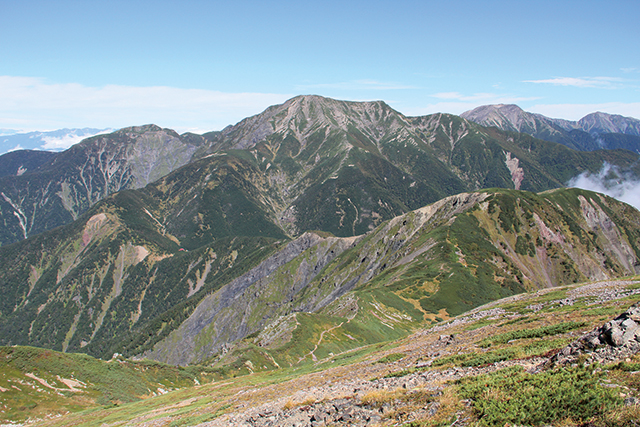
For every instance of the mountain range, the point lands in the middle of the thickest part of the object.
(316, 228)
(168, 237)
(592, 132)
(365, 161)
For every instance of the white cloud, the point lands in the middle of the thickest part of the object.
(577, 111)
(35, 104)
(457, 103)
(611, 181)
(62, 143)
(364, 84)
(486, 98)
(461, 97)
(590, 82)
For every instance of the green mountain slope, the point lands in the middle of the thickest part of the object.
(93, 284)
(68, 183)
(22, 161)
(38, 383)
(345, 167)
(424, 266)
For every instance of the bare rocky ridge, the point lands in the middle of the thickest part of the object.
(513, 118)
(303, 115)
(609, 123)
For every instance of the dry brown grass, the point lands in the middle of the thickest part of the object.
(289, 405)
(377, 398)
(450, 408)
(308, 401)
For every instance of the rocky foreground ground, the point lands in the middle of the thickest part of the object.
(383, 401)
(582, 336)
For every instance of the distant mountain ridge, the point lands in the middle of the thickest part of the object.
(313, 163)
(592, 132)
(609, 123)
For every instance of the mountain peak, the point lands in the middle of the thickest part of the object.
(493, 108)
(141, 129)
(504, 116)
(600, 122)
(592, 132)
(304, 115)
(511, 117)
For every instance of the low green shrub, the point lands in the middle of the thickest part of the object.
(490, 357)
(476, 359)
(513, 396)
(390, 358)
(540, 332)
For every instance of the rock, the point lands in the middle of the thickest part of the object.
(615, 340)
(446, 339)
(433, 408)
(593, 342)
(615, 337)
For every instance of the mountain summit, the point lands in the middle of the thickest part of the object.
(597, 123)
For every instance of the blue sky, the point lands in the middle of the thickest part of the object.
(202, 65)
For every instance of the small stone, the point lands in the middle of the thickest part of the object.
(433, 409)
(374, 418)
(594, 342)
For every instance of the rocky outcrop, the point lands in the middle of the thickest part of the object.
(339, 412)
(613, 341)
